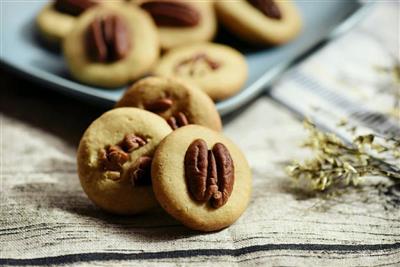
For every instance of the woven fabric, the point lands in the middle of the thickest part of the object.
(46, 219)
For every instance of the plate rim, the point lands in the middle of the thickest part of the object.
(224, 107)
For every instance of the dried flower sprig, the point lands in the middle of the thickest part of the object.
(393, 89)
(339, 164)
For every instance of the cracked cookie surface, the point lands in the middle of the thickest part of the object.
(54, 21)
(219, 70)
(114, 159)
(139, 43)
(178, 102)
(263, 22)
(181, 22)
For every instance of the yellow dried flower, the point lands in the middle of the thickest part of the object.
(338, 164)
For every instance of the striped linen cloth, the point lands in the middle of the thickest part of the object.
(46, 219)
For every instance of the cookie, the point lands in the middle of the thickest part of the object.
(201, 178)
(181, 22)
(262, 22)
(114, 159)
(177, 102)
(56, 19)
(219, 70)
(109, 47)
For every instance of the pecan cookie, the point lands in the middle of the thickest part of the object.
(261, 21)
(177, 102)
(108, 47)
(114, 159)
(201, 178)
(56, 19)
(219, 70)
(181, 22)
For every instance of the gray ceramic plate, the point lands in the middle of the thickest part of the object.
(22, 52)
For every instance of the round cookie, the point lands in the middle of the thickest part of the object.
(181, 22)
(114, 159)
(177, 102)
(182, 168)
(56, 19)
(263, 22)
(109, 47)
(219, 70)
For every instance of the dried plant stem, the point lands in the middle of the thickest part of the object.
(338, 164)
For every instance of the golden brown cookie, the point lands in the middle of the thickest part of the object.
(114, 159)
(219, 70)
(112, 46)
(177, 102)
(56, 19)
(181, 22)
(261, 21)
(201, 178)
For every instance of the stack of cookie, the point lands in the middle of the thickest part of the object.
(109, 43)
(162, 145)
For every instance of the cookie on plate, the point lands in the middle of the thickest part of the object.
(56, 19)
(181, 22)
(111, 46)
(177, 102)
(262, 22)
(201, 178)
(114, 159)
(219, 70)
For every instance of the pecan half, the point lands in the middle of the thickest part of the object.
(112, 158)
(107, 39)
(179, 120)
(268, 7)
(140, 173)
(73, 7)
(132, 142)
(196, 167)
(172, 13)
(160, 105)
(225, 174)
(193, 61)
(209, 174)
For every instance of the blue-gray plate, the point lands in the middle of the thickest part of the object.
(22, 51)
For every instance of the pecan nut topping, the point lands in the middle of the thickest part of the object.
(113, 157)
(267, 7)
(107, 39)
(209, 174)
(132, 142)
(193, 63)
(160, 105)
(163, 104)
(172, 13)
(141, 172)
(177, 121)
(73, 7)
